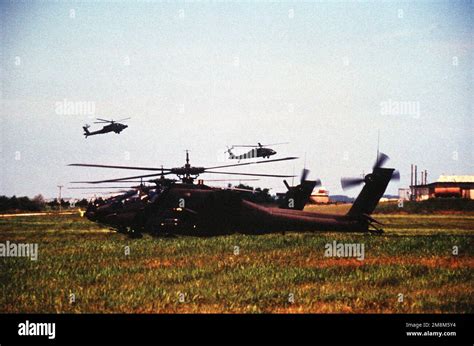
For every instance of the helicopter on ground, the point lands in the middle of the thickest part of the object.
(113, 126)
(260, 150)
(185, 208)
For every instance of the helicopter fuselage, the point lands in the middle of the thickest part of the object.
(114, 127)
(200, 210)
(256, 152)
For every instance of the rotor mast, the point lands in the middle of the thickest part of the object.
(187, 179)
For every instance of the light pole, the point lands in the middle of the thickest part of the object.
(60, 188)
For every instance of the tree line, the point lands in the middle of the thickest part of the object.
(36, 203)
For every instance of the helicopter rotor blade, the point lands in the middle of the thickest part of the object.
(119, 167)
(98, 187)
(153, 180)
(173, 171)
(267, 145)
(128, 181)
(304, 175)
(122, 120)
(107, 121)
(253, 174)
(150, 181)
(101, 193)
(244, 179)
(252, 163)
(119, 179)
(396, 175)
(381, 159)
(168, 169)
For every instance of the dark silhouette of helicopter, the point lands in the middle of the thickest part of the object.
(186, 208)
(260, 150)
(113, 126)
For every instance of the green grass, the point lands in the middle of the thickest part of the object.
(441, 206)
(430, 206)
(414, 257)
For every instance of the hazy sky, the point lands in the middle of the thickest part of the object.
(324, 76)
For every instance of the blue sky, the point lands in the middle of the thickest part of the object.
(203, 75)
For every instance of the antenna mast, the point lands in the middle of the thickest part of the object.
(378, 144)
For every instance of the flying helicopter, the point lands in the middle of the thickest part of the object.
(260, 150)
(113, 126)
(199, 210)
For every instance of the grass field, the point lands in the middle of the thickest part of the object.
(185, 274)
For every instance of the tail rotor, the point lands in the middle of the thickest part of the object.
(375, 184)
(86, 129)
(348, 183)
(297, 196)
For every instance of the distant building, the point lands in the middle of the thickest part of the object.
(457, 186)
(404, 194)
(321, 196)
